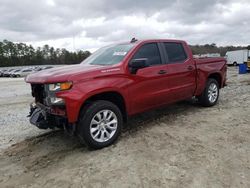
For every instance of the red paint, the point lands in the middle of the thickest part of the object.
(142, 91)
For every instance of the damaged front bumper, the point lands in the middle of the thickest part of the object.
(42, 116)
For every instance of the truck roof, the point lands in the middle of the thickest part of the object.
(153, 40)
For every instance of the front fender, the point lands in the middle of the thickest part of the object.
(80, 92)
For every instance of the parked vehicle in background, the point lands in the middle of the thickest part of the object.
(207, 55)
(2, 72)
(46, 67)
(7, 72)
(237, 57)
(37, 68)
(94, 98)
(12, 73)
(248, 64)
(40, 68)
(23, 72)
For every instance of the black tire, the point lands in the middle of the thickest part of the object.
(88, 113)
(235, 64)
(204, 98)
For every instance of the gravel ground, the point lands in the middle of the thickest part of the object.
(14, 107)
(182, 145)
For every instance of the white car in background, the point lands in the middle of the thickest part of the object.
(12, 73)
(7, 72)
(23, 72)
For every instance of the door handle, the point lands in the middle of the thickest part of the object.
(190, 68)
(162, 72)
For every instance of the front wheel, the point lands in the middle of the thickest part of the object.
(210, 95)
(100, 124)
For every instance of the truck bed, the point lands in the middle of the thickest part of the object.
(209, 60)
(210, 66)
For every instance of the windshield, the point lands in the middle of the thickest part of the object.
(109, 55)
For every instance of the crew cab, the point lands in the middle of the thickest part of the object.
(94, 98)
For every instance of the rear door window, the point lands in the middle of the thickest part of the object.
(175, 52)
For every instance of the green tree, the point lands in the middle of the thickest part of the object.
(17, 54)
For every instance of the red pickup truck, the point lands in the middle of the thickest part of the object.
(95, 97)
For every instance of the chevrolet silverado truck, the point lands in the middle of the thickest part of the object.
(94, 98)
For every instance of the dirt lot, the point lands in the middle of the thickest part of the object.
(183, 145)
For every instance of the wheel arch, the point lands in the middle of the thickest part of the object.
(235, 63)
(112, 96)
(217, 76)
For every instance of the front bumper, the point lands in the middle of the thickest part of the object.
(42, 116)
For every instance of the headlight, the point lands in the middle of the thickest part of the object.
(60, 86)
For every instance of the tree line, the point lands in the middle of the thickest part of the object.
(213, 48)
(20, 54)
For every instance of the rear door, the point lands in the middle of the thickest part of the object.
(149, 87)
(181, 71)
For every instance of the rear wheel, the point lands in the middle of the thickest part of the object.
(235, 64)
(100, 124)
(210, 95)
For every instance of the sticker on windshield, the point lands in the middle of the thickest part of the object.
(119, 53)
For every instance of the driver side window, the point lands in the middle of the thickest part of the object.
(151, 52)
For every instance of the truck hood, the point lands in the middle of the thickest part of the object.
(62, 74)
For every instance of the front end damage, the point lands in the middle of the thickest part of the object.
(47, 111)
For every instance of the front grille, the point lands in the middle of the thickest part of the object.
(38, 92)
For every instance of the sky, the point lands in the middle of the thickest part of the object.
(88, 25)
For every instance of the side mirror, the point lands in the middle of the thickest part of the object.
(136, 64)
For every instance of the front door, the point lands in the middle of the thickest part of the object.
(150, 84)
